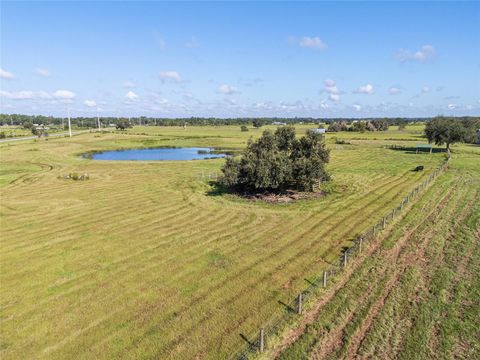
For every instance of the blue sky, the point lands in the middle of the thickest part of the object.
(237, 59)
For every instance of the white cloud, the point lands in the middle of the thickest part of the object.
(18, 95)
(170, 75)
(452, 106)
(131, 96)
(227, 89)
(394, 90)
(365, 89)
(334, 97)
(90, 103)
(331, 87)
(312, 43)
(425, 89)
(64, 95)
(263, 105)
(357, 107)
(129, 84)
(6, 75)
(425, 53)
(332, 90)
(43, 72)
(324, 105)
(192, 43)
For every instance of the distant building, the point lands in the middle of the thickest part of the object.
(319, 131)
(478, 136)
(278, 123)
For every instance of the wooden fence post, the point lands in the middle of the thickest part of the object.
(262, 340)
(360, 243)
(299, 303)
(345, 259)
(384, 222)
(324, 279)
(374, 230)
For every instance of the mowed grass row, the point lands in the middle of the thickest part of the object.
(413, 297)
(140, 261)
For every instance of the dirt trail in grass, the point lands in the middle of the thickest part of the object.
(423, 245)
(434, 247)
(402, 258)
(409, 259)
(311, 315)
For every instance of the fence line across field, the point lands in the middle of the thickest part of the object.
(258, 341)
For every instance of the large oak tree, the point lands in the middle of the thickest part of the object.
(279, 161)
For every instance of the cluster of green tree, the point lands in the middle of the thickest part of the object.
(19, 119)
(277, 162)
(123, 124)
(447, 130)
(360, 126)
(39, 131)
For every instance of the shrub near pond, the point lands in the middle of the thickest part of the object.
(76, 176)
(278, 162)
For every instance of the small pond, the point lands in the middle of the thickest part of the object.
(186, 153)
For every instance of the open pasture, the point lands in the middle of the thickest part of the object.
(144, 260)
(413, 295)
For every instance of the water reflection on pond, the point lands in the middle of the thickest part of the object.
(186, 153)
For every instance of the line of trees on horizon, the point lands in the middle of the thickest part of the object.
(341, 124)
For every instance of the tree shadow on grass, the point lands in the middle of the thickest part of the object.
(413, 150)
(217, 189)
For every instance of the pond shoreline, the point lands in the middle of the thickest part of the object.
(159, 153)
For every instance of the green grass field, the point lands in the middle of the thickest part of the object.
(19, 131)
(144, 261)
(14, 131)
(414, 294)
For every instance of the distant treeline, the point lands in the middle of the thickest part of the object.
(91, 122)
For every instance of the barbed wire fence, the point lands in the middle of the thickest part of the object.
(257, 342)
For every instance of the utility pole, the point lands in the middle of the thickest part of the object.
(98, 122)
(69, 124)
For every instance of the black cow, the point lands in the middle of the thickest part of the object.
(419, 168)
